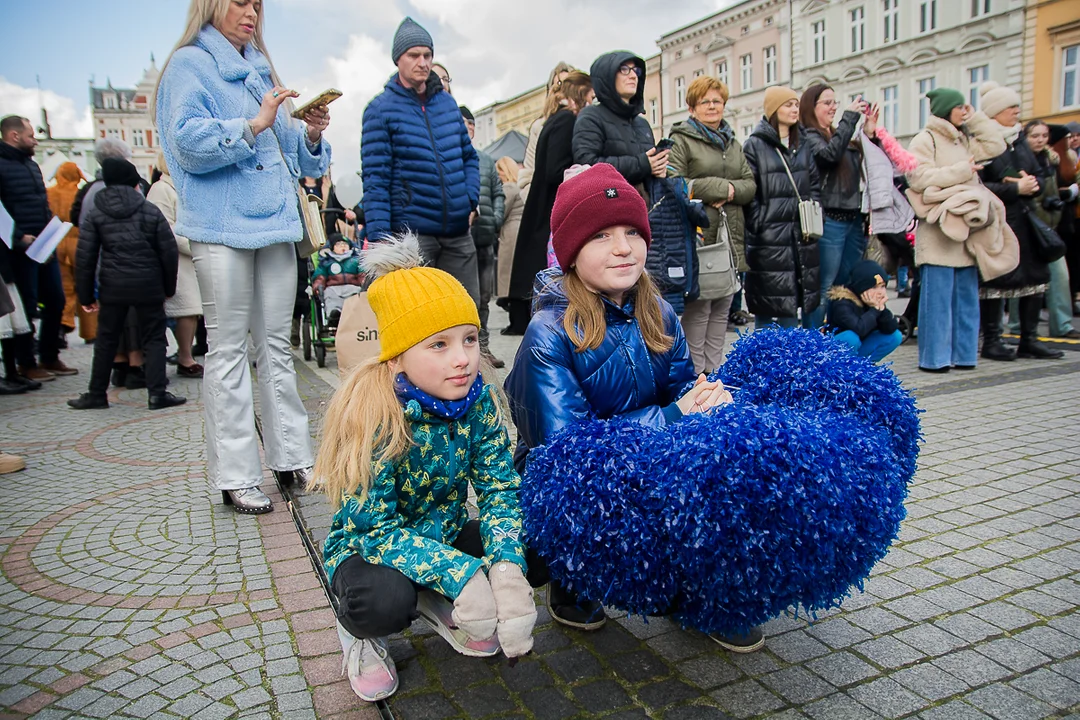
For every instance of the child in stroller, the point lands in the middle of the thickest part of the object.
(338, 275)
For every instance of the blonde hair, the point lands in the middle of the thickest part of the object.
(162, 167)
(554, 95)
(584, 319)
(365, 428)
(201, 12)
(507, 168)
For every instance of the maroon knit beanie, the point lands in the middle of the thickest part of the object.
(589, 202)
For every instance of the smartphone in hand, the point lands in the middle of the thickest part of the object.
(665, 144)
(324, 98)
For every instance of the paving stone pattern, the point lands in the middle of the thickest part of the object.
(129, 590)
(973, 614)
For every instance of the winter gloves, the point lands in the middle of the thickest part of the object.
(515, 607)
(474, 609)
(503, 601)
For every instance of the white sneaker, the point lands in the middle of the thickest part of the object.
(371, 670)
(436, 611)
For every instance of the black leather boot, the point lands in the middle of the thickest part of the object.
(994, 348)
(1030, 347)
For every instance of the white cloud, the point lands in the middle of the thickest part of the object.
(65, 117)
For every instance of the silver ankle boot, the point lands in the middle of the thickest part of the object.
(304, 477)
(250, 501)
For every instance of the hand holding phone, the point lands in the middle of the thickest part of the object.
(321, 100)
(664, 144)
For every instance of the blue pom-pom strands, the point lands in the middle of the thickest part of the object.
(786, 498)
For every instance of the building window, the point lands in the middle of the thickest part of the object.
(745, 30)
(770, 65)
(113, 133)
(890, 108)
(697, 48)
(927, 16)
(747, 130)
(980, 7)
(654, 115)
(746, 68)
(976, 77)
(1070, 76)
(852, 97)
(858, 30)
(138, 138)
(819, 41)
(892, 20)
(110, 102)
(925, 86)
(698, 73)
(768, 21)
(680, 92)
(722, 72)
(678, 54)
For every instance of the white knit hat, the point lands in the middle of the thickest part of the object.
(994, 98)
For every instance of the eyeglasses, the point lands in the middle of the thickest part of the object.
(446, 80)
(827, 103)
(712, 103)
(627, 69)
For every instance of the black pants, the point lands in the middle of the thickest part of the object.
(39, 284)
(485, 266)
(376, 600)
(111, 322)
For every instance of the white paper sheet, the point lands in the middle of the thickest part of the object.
(7, 226)
(47, 240)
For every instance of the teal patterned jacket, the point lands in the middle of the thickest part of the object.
(417, 505)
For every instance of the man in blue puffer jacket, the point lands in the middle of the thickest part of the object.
(420, 170)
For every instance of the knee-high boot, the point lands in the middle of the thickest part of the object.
(994, 348)
(1030, 347)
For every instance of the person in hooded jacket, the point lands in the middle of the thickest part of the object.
(61, 198)
(128, 253)
(1014, 177)
(603, 343)
(615, 132)
(782, 279)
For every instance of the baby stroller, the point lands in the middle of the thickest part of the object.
(331, 280)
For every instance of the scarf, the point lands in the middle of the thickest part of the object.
(1011, 133)
(722, 136)
(445, 409)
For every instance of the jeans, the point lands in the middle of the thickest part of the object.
(874, 346)
(948, 316)
(112, 322)
(1058, 302)
(39, 284)
(455, 255)
(485, 267)
(763, 321)
(249, 292)
(901, 277)
(840, 247)
(705, 325)
(376, 600)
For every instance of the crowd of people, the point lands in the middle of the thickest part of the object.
(621, 261)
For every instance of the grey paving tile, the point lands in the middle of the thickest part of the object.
(746, 699)
(1013, 654)
(839, 707)
(930, 681)
(796, 685)
(1005, 703)
(842, 669)
(1050, 687)
(955, 710)
(972, 668)
(887, 698)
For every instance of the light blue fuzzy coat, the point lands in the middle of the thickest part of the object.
(234, 189)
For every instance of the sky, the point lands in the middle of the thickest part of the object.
(493, 49)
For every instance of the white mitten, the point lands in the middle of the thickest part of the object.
(474, 609)
(516, 608)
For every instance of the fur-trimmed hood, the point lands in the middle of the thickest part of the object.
(839, 292)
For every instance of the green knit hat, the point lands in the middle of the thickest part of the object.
(943, 100)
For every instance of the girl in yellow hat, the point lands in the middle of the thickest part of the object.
(404, 436)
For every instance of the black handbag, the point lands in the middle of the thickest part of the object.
(1045, 242)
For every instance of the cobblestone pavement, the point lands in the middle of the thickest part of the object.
(127, 590)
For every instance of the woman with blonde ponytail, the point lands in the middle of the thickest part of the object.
(403, 438)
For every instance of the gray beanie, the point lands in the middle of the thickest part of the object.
(409, 35)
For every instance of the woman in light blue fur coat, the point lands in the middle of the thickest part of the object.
(236, 156)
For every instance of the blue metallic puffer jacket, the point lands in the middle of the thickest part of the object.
(419, 166)
(552, 386)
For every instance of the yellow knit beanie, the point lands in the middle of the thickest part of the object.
(412, 302)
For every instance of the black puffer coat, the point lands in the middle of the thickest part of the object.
(22, 190)
(614, 131)
(838, 162)
(783, 275)
(1017, 156)
(485, 228)
(127, 243)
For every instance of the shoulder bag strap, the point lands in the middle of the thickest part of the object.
(788, 171)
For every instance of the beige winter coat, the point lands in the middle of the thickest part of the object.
(187, 300)
(944, 153)
(515, 206)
